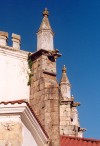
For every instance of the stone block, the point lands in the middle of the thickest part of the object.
(63, 123)
(49, 96)
(55, 131)
(55, 102)
(35, 65)
(41, 84)
(54, 108)
(48, 118)
(55, 119)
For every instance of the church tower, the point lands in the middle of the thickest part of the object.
(44, 94)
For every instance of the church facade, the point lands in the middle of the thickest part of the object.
(35, 109)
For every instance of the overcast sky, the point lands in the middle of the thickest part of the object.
(76, 24)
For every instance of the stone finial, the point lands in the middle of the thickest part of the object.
(64, 78)
(64, 69)
(3, 38)
(45, 25)
(16, 39)
(45, 12)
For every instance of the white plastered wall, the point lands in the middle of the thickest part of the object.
(13, 74)
(28, 139)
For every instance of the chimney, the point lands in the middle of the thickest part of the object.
(3, 38)
(16, 39)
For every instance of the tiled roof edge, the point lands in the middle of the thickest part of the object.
(79, 138)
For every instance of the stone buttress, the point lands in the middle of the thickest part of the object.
(69, 121)
(44, 94)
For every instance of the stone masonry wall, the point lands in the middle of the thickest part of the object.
(44, 96)
(69, 123)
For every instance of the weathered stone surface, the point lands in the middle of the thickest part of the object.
(68, 120)
(45, 35)
(44, 97)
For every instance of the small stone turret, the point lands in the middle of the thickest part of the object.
(45, 34)
(16, 41)
(65, 85)
(3, 38)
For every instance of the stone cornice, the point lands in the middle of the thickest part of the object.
(82, 129)
(54, 54)
(68, 100)
(75, 104)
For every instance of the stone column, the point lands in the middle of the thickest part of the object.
(3, 38)
(16, 39)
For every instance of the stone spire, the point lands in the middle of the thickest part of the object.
(65, 85)
(45, 33)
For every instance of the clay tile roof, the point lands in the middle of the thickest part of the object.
(13, 102)
(23, 101)
(76, 141)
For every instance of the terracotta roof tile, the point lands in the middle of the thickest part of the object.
(76, 141)
(23, 101)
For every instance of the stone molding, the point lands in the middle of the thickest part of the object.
(54, 54)
(6, 50)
